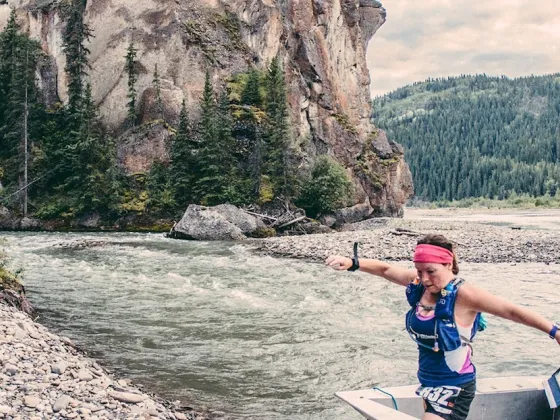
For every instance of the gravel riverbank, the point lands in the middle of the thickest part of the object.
(44, 376)
(380, 239)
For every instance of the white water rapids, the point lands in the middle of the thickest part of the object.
(256, 337)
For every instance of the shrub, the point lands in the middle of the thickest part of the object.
(328, 188)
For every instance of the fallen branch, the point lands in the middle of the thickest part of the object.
(264, 216)
(398, 233)
(299, 219)
(405, 231)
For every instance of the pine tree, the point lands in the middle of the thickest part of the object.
(132, 77)
(505, 131)
(19, 105)
(157, 87)
(90, 180)
(75, 35)
(211, 183)
(183, 161)
(278, 153)
(251, 94)
(234, 190)
(8, 50)
(160, 189)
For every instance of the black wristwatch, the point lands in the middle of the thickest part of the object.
(355, 261)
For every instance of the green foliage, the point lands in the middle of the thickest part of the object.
(183, 166)
(75, 35)
(55, 207)
(131, 71)
(160, 190)
(328, 188)
(8, 280)
(251, 94)
(17, 66)
(238, 151)
(280, 159)
(157, 87)
(209, 185)
(214, 158)
(263, 232)
(513, 201)
(72, 159)
(21, 110)
(91, 159)
(135, 198)
(344, 122)
(266, 192)
(231, 25)
(477, 136)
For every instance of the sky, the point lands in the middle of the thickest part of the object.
(440, 38)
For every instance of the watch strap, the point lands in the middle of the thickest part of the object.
(355, 260)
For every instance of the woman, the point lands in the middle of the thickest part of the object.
(443, 319)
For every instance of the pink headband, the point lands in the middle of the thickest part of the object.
(425, 253)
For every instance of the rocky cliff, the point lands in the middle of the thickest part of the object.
(322, 44)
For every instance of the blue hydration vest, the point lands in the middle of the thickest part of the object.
(446, 335)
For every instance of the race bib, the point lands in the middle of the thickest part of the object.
(441, 398)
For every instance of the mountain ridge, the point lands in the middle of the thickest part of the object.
(471, 136)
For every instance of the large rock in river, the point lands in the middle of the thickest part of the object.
(8, 220)
(223, 222)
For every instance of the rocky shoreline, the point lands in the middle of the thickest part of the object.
(395, 239)
(45, 376)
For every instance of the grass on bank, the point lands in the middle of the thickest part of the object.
(513, 201)
(8, 280)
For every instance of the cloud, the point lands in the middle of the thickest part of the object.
(440, 38)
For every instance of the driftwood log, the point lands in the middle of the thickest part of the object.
(283, 217)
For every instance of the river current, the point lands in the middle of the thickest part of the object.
(254, 337)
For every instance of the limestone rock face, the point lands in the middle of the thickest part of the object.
(321, 43)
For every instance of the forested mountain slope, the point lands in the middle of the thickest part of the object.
(475, 136)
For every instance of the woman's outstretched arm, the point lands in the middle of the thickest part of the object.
(479, 300)
(393, 273)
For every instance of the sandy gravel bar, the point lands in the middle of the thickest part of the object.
(378, 238)
(43, 376)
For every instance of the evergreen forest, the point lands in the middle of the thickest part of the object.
(59, 162)
(477, 136)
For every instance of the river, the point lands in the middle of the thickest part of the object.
(255, 337)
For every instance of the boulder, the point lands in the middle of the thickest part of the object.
(382, 146)
(89, 221)
(315, 227)
(8, 221)
(245, 222)
(223, 222)
(28, 223)
(328, 220)
(353, 214)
